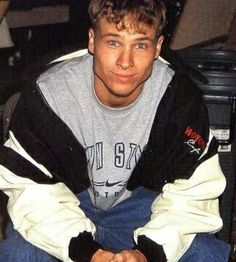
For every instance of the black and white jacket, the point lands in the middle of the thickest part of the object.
(43, 166)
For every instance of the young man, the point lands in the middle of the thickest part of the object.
(109, 157)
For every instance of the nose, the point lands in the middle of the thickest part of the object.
(125, 59)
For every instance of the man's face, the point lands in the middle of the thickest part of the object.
(123, 61)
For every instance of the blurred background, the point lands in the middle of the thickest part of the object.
(33, 32)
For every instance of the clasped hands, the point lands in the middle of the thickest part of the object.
(123, 256)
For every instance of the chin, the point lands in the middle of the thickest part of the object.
(122, 93)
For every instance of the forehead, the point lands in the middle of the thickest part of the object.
(126, 26)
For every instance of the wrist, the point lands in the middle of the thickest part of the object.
(97, 253)
(141, 255)
(83, 247)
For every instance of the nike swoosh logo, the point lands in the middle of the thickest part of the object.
(112, 184)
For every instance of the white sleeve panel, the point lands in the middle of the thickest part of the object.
(48, 216)
(15, 145)
(186, 207)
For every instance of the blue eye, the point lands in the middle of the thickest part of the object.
(141, 46)
(113, 43)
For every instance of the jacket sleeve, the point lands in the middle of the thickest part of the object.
(186, 207)
(188, 201)
(47, 215)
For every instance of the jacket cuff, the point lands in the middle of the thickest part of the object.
(83, 247)
(151, 250)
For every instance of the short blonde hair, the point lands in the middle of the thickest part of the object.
(129, 13)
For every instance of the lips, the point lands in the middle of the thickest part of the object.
(123, 78)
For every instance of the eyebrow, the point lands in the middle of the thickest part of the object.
(142, 38)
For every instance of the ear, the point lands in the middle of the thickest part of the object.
(158, 46)
(91, 35)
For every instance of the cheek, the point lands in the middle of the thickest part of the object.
(103, 57)
(103, 66)
(144, 66)
(145, 58)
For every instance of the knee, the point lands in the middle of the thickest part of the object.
(206, 247)
(16, 248)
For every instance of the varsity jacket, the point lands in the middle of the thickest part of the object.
(43, 166)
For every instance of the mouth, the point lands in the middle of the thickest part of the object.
(123, 78)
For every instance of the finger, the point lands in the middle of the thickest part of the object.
(117, 258)
(113, 260)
